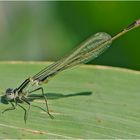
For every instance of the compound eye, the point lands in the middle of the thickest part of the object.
(9, 90)
(9, 93)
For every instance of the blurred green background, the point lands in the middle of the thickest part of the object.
(46, 31)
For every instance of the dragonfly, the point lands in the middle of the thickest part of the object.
(88, 50)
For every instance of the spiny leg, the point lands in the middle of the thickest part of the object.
(40, 88)
(26, 101)
(10, 108)
(39, 108)
(25, 112)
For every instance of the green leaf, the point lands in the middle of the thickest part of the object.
(87, 102)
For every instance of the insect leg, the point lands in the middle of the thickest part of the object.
(26, 101)
(40, 88)
(10, 108)
(25, 113)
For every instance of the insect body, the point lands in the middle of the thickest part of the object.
(88, 50)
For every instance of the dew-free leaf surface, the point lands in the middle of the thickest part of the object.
(87, 102)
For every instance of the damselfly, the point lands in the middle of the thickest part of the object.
(88, 50)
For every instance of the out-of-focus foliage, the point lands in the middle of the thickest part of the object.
(48, 30)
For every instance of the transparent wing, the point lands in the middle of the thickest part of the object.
(90, 49)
